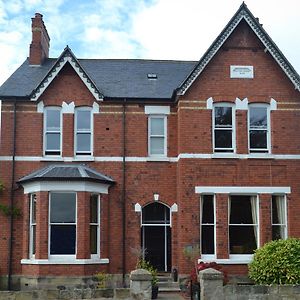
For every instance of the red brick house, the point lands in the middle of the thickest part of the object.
(105, 156)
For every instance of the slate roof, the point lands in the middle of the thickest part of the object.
(115, 78)
(127, 78)
(72, 172)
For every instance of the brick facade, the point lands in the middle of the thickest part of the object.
(192, 162)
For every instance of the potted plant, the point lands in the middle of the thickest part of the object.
(146, 265)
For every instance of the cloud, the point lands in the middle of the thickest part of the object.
(155, 29)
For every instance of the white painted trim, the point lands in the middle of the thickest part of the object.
(174, 208)
(32, 199)
(145, 159)
(242, 190)
(157, 110)
(273, 104)
(44, 85)
(158, 158)
(209, 103)
(74, 186)
(50, 261)
(241, 104)
(45, 129)
(285, 224)
(40, 107)
(68, 108)
(96, 108)
(232, 128)
(268, 130)
(209, 256)
(91, 131)
(164, 136)
(235, 259)
(137, 208)
(98, 224)
(61, 256)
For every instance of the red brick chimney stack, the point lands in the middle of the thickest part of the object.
(39, 47)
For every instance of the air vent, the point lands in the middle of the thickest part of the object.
(151, 76)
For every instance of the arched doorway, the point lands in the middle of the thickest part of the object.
(156, 235)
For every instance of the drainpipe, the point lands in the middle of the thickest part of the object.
(11, 205)
(124, 196)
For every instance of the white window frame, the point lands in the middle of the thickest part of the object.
(98, 224)
(61, 256)
(165, 135)
(91, 132)
(32, 224)
(284, 225)
(268, 129)
(232, 128)
(243, 257)
(46, 109)
(208, 256)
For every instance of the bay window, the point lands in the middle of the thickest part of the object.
(94, 224)
(243, 224)
(62, 223)
(32, 225)
(207, 222)
(223, 127)
(52, 131)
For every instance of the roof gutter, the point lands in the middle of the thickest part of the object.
(11, 205)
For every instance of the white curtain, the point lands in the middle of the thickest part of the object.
(253, 200)
(280, 203)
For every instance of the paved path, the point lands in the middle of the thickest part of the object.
(169, 296)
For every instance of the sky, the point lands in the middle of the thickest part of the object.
(143, 29)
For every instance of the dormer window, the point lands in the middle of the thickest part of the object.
(52, 131)
(83, 131)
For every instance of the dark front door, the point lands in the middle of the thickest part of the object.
(156, 236)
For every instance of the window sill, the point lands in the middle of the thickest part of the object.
(84, 158)
(224, 155)
(158, 158)
(68, 159)
(234, 259)
(66, 261)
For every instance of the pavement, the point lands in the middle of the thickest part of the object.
(170, 296)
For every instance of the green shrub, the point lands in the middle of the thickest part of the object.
(146, 265)
(102, 279)
(277, 262)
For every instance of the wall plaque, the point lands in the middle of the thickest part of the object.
(241, 72)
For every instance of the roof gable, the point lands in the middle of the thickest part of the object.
(243, 13)
(66, 56)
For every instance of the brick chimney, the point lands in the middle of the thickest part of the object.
(39, 47)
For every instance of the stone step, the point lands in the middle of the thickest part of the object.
(168, 286)
(169, 289)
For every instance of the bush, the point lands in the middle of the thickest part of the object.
(146, 265)
(277, 262)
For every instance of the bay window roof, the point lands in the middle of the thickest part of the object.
(63, 172)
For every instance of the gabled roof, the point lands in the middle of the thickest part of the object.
(243, 13)
(59, 172)
(115, 78)
(66, 56)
